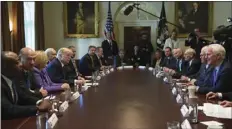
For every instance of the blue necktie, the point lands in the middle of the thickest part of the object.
(214, 77)
(180, 62)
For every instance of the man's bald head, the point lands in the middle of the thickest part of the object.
(178, 53)
(27, 58)
(51, 53)
(10, 64)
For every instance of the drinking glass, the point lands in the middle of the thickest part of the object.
(41, 121)
(193, 113)
(173, 125)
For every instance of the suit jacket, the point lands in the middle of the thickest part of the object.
(180, 70)
(193, 68)
(223, 82)
(25, 105)
(204, 77)
(154, 62)
(169, 62)
(118, 61)
(57, 73)
(87, 67)
(227, 96)
(107, 51)
(145, 49)
(43, 80)
(135, 59)
(29, 82)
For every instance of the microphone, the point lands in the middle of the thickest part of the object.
(128, 10)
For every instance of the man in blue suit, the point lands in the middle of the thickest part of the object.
(220, 76)
(57, 68)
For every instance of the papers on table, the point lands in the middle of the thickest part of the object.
(215, 110)
(125, 67)
(150, 68)
(142, 67)
(92, 84)
(213, 124)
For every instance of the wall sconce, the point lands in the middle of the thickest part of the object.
(11, 26)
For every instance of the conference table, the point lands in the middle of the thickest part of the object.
(126, 99)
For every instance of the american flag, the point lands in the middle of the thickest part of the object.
(109, 27)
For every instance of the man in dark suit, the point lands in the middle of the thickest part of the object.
(220, 77)
(169, 61)
(121, 59)
(135, 56)
(72, 67)
(57, 68)
(157, 58)
(27, 59)
(15, 102)
(101, 60)
(110, 49)
(88, 62)
(146, 49)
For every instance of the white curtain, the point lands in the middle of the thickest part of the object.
(29, 24)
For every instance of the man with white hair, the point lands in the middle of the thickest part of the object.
(220, 77)
(27, 59)
(57, 69)
(51, 53)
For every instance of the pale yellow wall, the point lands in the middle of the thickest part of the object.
(54, 32)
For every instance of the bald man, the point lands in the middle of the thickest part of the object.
(51, 53)
(57, 68)
(27, 59)
(15, 100)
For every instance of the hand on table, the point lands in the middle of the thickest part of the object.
(211, 95)
(43, 92)
(184, 78)
(44, 106)
(65, 86)
(226, 103)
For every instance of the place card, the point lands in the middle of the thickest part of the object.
(186, 125)
(142, 67)
(98, 78)
(184, 111)
(63, 106)
(112, 70)
(179, 99)
(52, 121)
(75, 96)
(174, 91)
(129, 67)
(150, 68)
(119, 68)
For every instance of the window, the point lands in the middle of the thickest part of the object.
(29, 24)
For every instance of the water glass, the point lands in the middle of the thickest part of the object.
(41, 121)
(193, 113)
(173, 125)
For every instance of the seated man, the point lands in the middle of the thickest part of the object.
(180, 64)
(15, 102)
(121, 59)
(72, 70)
(157, 58)
(57, 68)
(202, 77)
(99, 53)
(27, 59)
(169, 61)
(88, 62)
(220, 77)
(51, 53)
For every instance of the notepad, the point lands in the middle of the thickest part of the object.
(215, 110)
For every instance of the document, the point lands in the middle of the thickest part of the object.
(215, 110)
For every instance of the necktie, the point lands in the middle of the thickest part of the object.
(92, 61)
(27, 77)
(180, 62)
(15, 94)
(214, 76)
(74, 65)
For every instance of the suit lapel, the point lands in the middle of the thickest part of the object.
(8, 90)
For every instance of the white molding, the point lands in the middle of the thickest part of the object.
(152, 23)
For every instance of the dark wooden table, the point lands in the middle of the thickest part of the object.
(129, 99)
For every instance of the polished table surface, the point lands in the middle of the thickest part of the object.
(129, 99)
